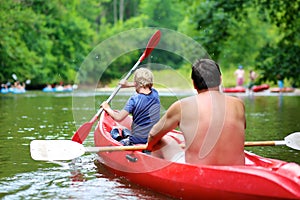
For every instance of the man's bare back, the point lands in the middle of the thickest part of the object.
(215, 123)
(213, 126)
(212, 123)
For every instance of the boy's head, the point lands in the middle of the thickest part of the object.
(143, 78)
(206, 74)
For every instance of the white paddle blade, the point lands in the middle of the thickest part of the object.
(14, 77)
(49, 150)
(293, 140)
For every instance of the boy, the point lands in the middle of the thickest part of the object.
(144, 107)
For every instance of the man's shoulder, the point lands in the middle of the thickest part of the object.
(191, 100)
(234, 99)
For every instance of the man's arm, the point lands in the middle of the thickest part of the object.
(167, 123)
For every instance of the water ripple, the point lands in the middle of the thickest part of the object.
(78, 180)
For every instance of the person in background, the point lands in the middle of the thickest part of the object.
(19, 86)
(280, 82)
(252, 78)
(213, 124)
(240, 74)
(144, 107)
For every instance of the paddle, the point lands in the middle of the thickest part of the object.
(68, 150)
(292, 141)
(14, 76)
(83, 131)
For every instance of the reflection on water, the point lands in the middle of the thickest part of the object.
(36, 115)
(61, 182)
(273, 118)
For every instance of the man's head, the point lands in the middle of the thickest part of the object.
(143, 78)
(206, 74)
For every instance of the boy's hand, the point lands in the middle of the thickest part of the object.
(105, 106)
(123, 83)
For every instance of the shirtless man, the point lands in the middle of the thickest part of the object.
(213, 124)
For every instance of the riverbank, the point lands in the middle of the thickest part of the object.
(188, 92)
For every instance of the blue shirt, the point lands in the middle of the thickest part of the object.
(145, 110)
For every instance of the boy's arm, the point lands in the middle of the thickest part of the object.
(126, 84)
(118, 116)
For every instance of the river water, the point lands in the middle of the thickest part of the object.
(37, 115)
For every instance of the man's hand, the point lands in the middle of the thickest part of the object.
(149, 147)
(152, 144)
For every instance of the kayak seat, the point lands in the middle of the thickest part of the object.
(108, 123)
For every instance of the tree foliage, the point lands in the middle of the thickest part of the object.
(281, 59)
(42, 41)
(48, 41)
(261, 34)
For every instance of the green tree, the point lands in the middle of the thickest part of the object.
(281, 58)
(17, 25)
(70, 36)
(261, 33)
(42, 41)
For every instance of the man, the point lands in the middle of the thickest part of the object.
(144, 107)
(213, 124)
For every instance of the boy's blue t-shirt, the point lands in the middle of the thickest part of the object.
(145, 110)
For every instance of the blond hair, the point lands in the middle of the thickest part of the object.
(143, 77)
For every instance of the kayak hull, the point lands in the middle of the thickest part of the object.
(282, 90)
(259, 88)
(260, 178)
(234, 90)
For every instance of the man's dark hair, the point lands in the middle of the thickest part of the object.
(206, 74)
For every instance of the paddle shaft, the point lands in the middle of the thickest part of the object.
(118, 88)
(265, 143)
(115, 148)
(143, 147)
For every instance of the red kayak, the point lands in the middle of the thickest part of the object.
(259, 88)
(260, 178)
(282, 90)
(234, 90)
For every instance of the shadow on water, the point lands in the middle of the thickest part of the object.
(36, 115)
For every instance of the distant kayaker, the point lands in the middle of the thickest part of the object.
(212, 123)
(144, 107)
(280, 83)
